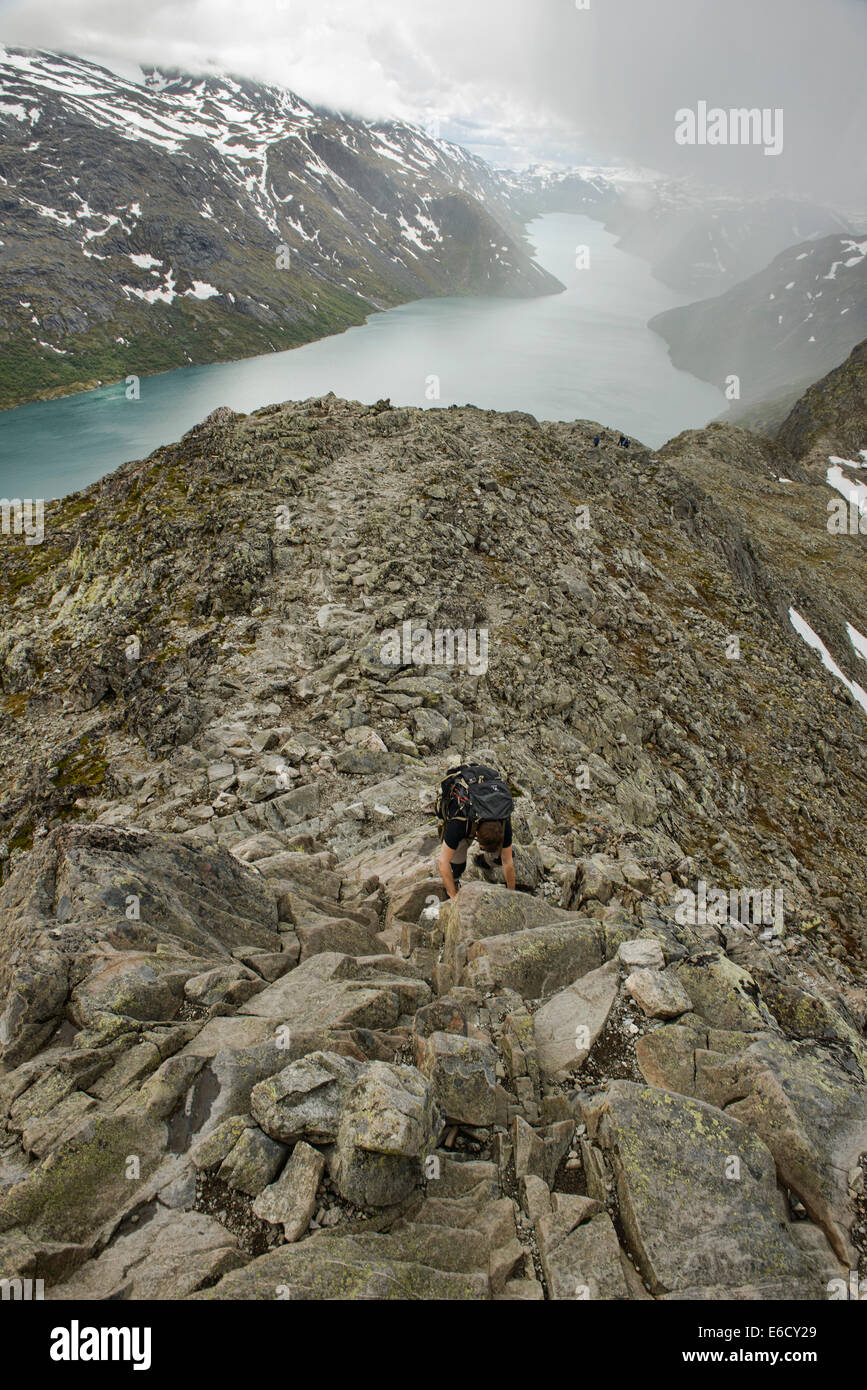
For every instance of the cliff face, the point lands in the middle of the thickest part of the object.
(221, 948)
(205, 219)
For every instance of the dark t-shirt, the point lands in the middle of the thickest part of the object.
(455, 836)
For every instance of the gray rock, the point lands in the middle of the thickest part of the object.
(291, 1201)
(305, 1100)
(535, 962)
(253, 1162)
(582, 1260)
(697, 1194)
(333, 990)
(658, 993)
(388, 1126)
(568, 1025)
(642, 953)
(463, 1074)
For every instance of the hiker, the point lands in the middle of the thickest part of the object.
(596, 442)
(624, 442)
(474, 804)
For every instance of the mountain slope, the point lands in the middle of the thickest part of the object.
(193, 220)
(780, 329)
(830, 417)
(221, 944)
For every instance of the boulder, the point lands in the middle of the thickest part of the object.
(253, 1162)
(390, 1123)
(723, 994)
(291, 1201)
(658, 993)
(227, 984)
(581, 1257)
(697, 1195)
(305, 1100)
(333, 990)
(482, 910)
(537, 961)
(642, 953)
(809, 1110)
(598, 879)
(567, 1026)
(463, 1073)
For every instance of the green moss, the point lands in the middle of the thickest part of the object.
(84, 768)
(16, 705)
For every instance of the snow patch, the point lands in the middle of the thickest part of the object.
(806, 633)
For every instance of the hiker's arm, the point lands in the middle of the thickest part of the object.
(444, 864)
(509, 867)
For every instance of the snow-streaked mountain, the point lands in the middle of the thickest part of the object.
(780, 329)
(201, 218)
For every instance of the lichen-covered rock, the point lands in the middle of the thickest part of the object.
(723, 993)
(333, 1268)
(712, 1221)
(306, 1099)
(582, 1259)
(253, 1162)
(291, 1200)
(658, 993)
(169, 1257)
(463, 1074)
(537, 961)
(390, 1123)
(333, 990)
(486, 910)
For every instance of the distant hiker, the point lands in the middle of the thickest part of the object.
(474, 804)
(624, 442)
(596, 442)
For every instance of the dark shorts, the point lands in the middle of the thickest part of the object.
(457, 869)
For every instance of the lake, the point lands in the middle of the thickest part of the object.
(584, 354)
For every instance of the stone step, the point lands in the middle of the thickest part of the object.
(329, 1267)
(436, 1247)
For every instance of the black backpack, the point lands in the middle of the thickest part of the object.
(473, 792)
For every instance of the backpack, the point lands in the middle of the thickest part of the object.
(472, 792)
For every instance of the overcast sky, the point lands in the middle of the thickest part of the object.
(525, 80)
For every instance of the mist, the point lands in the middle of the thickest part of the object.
(528, 80)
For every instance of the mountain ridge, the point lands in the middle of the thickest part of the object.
(223, 945)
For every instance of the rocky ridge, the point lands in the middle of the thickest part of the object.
(247, 1052)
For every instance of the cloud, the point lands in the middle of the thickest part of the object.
(530, 78)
